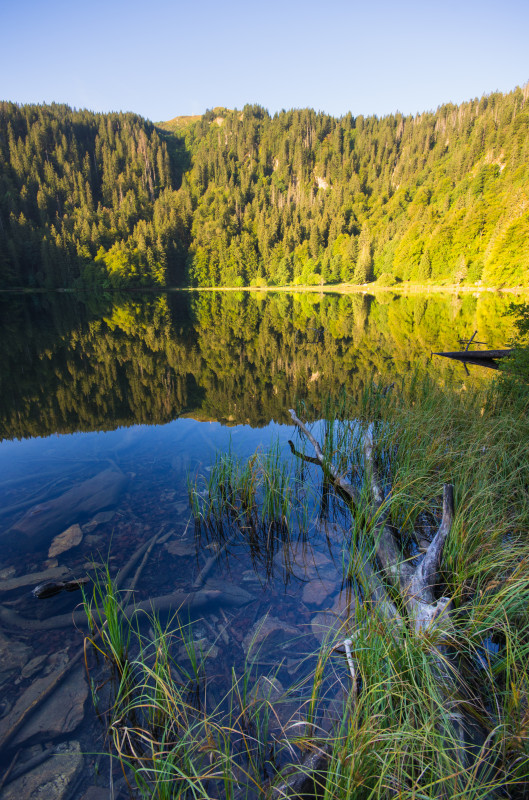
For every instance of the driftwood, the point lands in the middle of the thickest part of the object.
(416, 585)
(222, 595)
(226, 595)
(212, 560)
(211, 594)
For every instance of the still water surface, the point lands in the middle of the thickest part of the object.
(110, 406)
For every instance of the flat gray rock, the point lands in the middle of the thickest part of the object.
(202, 647)
(52, 780)
(182, 547)
(336, 621)
(40, 523)
(62, 712)
(266, 688)
(100, 519)
(300, 559)
(263, 628)
(316, 591)
(69, 538)
(33, 666)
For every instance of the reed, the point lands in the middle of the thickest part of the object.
(390, 735)
(256, 501)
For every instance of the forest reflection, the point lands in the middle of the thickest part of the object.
(84, 363)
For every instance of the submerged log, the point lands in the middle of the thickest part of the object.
(211, 596)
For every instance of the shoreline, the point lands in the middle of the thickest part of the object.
(338, 288)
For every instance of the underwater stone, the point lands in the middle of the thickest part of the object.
(52, 779)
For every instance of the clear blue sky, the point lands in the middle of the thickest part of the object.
(163, 58)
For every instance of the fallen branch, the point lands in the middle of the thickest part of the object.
(212, 560)
(327, 465)
(417, 584)
(176, 601)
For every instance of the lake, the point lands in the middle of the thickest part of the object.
(114, 408)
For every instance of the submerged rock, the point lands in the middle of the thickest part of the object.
(100, 519)
(13, 656)
(81, 501)
(33, 666)
(61, 713)
(300, 559)
(316, 591)
(53, 779)
(263, 628)
(202, 647)
(335, 621)
(186, 546)
(51, 588)
(69, 538)
(266, 688)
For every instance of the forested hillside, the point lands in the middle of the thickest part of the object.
(242, 198)
(87, 198)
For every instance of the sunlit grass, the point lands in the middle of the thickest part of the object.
(394, 733)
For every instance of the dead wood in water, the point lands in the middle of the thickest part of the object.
(417, 585)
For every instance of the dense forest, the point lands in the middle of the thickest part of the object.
(236, 198)
(89, 362)
(87, 199)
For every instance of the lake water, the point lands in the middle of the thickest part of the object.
(111, 407)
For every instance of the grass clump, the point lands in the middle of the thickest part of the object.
(255, 500)
(392, 732)
(171, 730)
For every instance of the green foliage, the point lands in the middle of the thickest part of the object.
(241, 199)
(386, 279)
(439, 197)
(87, 198)
(514, 382)
(385, 714)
